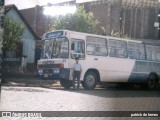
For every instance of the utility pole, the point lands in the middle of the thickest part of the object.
(1, 38)
(158, 26)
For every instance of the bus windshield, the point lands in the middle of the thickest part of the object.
(55, 48)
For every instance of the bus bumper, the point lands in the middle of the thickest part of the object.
(54, 75)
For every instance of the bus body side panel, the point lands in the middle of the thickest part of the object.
(110, 69)
(142, 69)
(116, 69)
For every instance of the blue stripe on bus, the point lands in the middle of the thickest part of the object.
(138, 78)
(146, 67)
(142, 69)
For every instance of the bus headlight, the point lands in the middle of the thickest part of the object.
(40, 71)
(56, 71)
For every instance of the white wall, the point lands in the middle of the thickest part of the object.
(28, 39)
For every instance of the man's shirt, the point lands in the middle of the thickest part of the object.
(77, 67)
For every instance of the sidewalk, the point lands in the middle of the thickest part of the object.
(32, 81)
(29, 81)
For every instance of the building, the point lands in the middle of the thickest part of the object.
(39, 21)
(131, 18)
(29, 36)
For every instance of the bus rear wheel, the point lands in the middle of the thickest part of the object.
(90, 80)
(152, 82)
(66, 83)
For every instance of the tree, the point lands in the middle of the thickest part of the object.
(13, 32)
(81, 21)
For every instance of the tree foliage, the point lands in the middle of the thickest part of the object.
(80, 21)
(13, 32)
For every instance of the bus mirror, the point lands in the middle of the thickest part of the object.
(72, 46)
(73, 55)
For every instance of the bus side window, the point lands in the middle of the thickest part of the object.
(72, 46)
(152, 52)
(117, 48)
(158, 56)
(77, 49)
(136, 50)
(96, 46)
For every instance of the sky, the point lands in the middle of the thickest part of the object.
(24, 4)
(31, 3)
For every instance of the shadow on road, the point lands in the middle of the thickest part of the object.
(114, 91)
(111, 90)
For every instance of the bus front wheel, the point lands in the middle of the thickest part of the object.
(152, 82)
(66, 83)
(90, 80)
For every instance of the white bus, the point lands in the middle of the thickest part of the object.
(103, 59)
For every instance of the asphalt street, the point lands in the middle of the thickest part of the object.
(56, 98)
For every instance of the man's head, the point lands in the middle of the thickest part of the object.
(77, 59)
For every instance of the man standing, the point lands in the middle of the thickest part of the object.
(77, 73)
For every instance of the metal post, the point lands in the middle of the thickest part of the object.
(1, 39)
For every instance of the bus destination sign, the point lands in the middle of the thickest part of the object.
(53, 34)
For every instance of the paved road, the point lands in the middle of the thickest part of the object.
(58, 99)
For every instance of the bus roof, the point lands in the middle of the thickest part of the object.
(145, 41)
(149, 41)
(107, 37)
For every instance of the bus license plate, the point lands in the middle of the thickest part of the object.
(46, 75)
